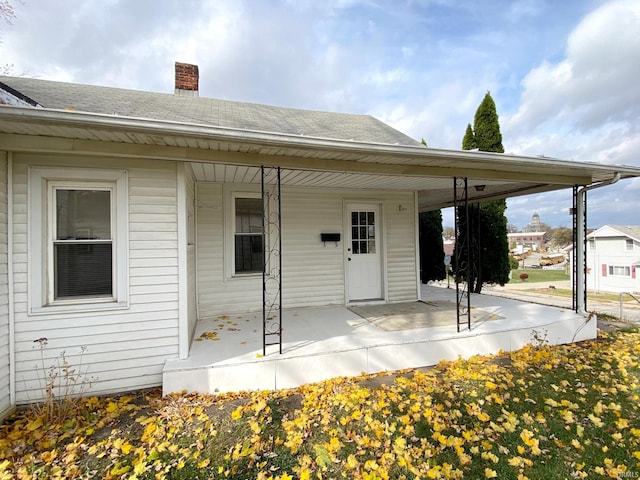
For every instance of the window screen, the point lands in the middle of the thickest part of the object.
(248, 244)
(82, 245)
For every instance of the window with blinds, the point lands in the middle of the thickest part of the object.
(82, 243)
(248, 238)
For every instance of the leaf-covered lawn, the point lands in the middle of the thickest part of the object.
(540, 413)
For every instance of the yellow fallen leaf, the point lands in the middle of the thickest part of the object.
(34, 424)
(237, 413)
(140, 468)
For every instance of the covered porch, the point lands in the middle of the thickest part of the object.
(325, 342)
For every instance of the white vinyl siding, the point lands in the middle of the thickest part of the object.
(125, 348)
(218, 291)
(400, 229)
(5, 371)
(313, 273)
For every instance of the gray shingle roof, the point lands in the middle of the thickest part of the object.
(205, 111)
(632, 231)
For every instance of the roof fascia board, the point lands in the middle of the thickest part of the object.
(40, 144)
(419, 152)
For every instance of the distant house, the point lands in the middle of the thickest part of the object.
(523, 240)
(613, 257)
(126, 217)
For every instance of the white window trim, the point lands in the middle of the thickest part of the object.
(629, 245)
(41, 181)
(52, 187)
(230, 228)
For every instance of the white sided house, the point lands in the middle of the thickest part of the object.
(613, 259)
(127, 216)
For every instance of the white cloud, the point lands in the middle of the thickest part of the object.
(596, 84)
(563, 78)
(585, 106)
(393, 76)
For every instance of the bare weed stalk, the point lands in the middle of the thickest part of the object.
(61, 383)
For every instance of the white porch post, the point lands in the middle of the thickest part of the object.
(581, 267)
(183, 281)
(579, 251)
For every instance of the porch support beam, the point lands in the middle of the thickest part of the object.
(272, 258)
(462, 257)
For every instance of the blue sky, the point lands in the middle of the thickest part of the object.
(564, 73)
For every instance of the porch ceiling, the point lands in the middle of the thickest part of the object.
(434, 192)
(305, 160)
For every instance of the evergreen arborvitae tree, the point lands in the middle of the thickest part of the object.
(469, 140)
(486, 128)
(430, 244)
(488, 224)
(431, 247)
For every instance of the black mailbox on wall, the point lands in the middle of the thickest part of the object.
(330, 237)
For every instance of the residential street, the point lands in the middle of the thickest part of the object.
(522, 291)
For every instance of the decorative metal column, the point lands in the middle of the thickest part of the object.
(462, 257)
(272, 259)
(579, 213)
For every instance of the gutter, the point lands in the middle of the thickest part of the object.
(615, 179)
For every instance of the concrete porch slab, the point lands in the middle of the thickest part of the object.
(321, 343)
(414, 315)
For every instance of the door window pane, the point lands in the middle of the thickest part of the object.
(363, 232)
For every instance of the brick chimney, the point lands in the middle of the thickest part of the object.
(187, 77)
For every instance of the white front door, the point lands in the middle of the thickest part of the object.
(364, 252)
